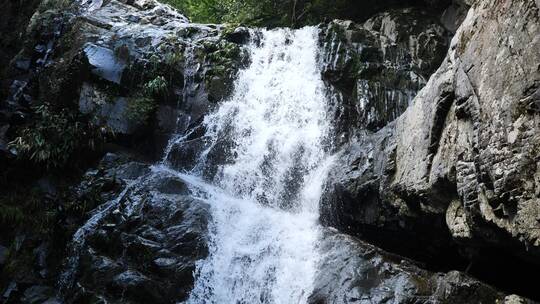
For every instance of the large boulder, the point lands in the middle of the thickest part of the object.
(352, 271)
(142, 246)
(139, 69)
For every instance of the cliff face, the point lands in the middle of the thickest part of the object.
(459, 169)
(377, 67)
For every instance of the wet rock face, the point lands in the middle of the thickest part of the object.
(143, 247)
(378, 66)
(355, 272)
(457, 170)
(463, 159)
(14, 19)
(138, 69)
(131, 47)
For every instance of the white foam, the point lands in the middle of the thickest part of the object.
(264, 230)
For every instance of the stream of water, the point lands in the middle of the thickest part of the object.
(264, 200)
(273, 140)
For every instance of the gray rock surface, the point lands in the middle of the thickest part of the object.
(355, 272)
(456, 167)
(377, 67)
(134, 68)
(460, 165)
(133, 45)
(142, 246)
(104, 62)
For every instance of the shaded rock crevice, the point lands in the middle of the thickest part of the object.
(355, 272)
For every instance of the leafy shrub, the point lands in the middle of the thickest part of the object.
(22, 206)
(174, 58)
(273, 13)
(250, 12)
(54, 137)
(142, 106)
(10, 215)
(156, 87)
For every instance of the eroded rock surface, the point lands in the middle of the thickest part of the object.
(455, 169)
(140, 69)
(353, 271)
(460, 166)
(377, 67)
(142, 246)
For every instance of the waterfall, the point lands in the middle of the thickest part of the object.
(272, 136)
(262, 168)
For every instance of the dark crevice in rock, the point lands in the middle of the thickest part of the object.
(507, 272)
(438, 123)
(14, 18)
(428, 243)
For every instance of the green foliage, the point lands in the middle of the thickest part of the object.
(24, 207)
(54, 138)
(270, 13)
(156, 87)
(53, 5)
(19, 263)
(174, 58)
(11, 215)
(140, 108)
(250, 12)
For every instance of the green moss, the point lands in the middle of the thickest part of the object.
(54, 5)
(229, 28)
(222, 54)
(174, 58)
(140, 108)
(142, 105)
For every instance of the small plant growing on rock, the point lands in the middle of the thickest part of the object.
(53, 5)
(10, 215)
(140, 108)
(156, 87)
(24, 207)
(174, 58)
(143, 105)
(54, 137)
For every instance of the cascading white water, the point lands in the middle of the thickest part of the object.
(265, 198)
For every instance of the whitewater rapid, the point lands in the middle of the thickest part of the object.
(264, 199)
